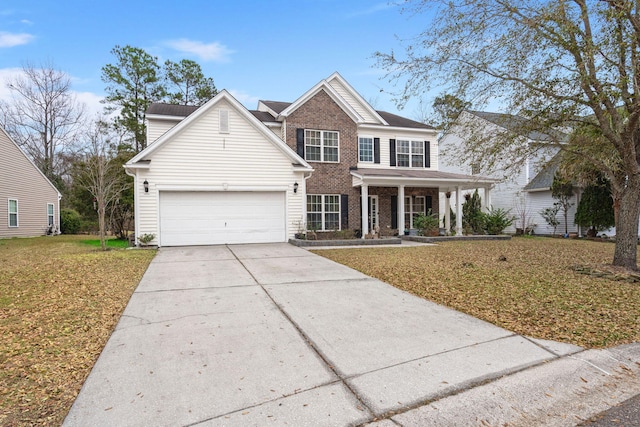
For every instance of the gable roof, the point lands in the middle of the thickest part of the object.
(323, 85)
(519, 125)
(403, 122)
(197, 112)
(17, 147)
(544, 179)
(161, 109)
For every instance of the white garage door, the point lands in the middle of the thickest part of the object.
(211, 218)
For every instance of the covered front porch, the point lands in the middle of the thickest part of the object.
(391, 198)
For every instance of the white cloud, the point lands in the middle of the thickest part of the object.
(249, 101)
(373, 9)
(14, 39)
(89, 99)
(26, 22)
(205, 51)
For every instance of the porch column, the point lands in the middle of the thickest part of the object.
(447, 213)
(458, 211)
(400, 210)
(487, 199)
(364, 190)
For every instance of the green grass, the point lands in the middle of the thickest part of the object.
(111, 243)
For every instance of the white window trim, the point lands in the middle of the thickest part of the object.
(373, 154)
(51, 216)
(322, 145)
(411, 154)
(323, 212)
(17, 213)
(411, 212)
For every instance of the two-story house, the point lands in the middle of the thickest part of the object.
(326, 161)
(525, 190)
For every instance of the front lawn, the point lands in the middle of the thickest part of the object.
(60, 299)
(534, 292)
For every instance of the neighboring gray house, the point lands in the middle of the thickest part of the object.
(29, 203)
(526, 192)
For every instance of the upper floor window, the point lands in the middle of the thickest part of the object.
(13, 213)
(365, 149)
(410, 154)
(321, 145)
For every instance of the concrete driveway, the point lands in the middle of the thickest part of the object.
(255, 335)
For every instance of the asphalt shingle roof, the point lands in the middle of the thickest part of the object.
(519, 125)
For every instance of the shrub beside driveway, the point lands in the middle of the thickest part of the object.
(59, 302)
(527, 285)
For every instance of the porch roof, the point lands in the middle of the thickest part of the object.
(444, 181)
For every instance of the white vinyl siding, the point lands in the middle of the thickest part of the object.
(322, 146)
(13, 213)
(200, 159)
(323, 212)
(387, 134)
(156, 128)
(356, 105)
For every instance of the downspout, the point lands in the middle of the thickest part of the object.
(59, 215)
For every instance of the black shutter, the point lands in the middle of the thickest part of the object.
(428, 202)
(394, 211)
(427, 154)
(392, 152)
(376, 150)
(300, 142)
(344, 211)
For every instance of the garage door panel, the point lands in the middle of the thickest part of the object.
(205, 218)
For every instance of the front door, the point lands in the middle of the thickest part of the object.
(373, 213)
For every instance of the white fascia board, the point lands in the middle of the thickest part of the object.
(357, 96)
(221, 188)
(398, 129)
(323, 85)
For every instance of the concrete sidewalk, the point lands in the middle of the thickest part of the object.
(255, 335)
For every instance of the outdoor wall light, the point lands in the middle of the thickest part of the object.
(295, 187)
(146, 186)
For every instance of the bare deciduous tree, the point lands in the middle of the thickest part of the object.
(100, 172)
(43, 115)
(557, 63)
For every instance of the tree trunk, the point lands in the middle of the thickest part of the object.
(627, 225)
(101, 225)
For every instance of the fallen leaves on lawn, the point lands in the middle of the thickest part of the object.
(59, 303)
(526, 285)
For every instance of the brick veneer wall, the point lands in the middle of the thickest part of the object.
(322, 113)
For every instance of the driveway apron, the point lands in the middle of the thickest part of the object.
(272, 334)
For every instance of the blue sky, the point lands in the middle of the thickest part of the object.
(273, 50)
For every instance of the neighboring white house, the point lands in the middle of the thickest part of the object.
(525, 192)
(29, 202)
(217, 176)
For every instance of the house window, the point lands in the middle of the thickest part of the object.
(365, 149)
(50, 219)
(410, 153)
(321, 145)
(413, 206)
(323, 212)
(475, 168)
(13, 213)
